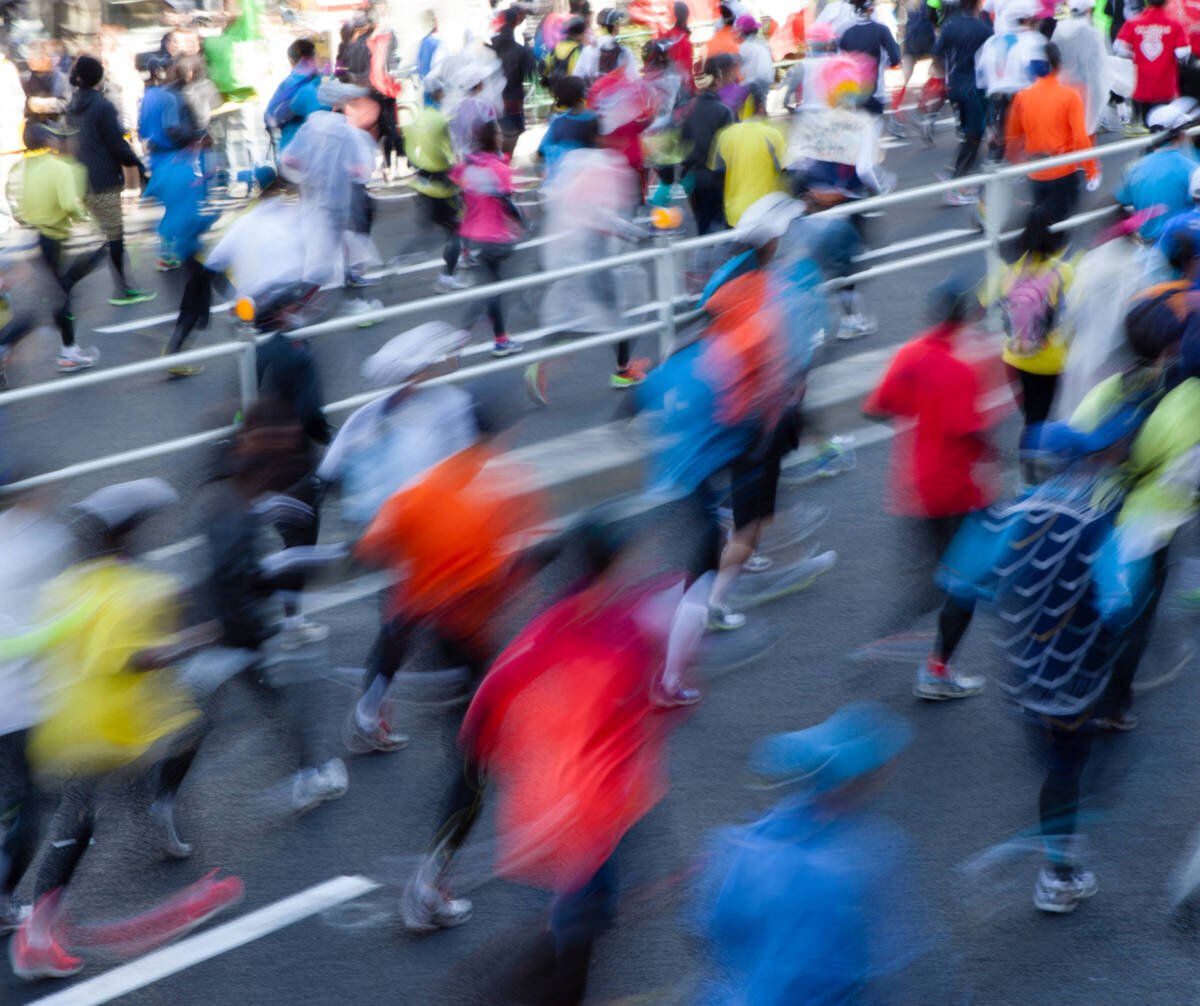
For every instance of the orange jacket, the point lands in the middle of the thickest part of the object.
(1047, 119)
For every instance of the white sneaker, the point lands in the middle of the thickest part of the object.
(302, 633)
(855, 326)
(1060, 895)
(721, 619)
(313, 786)
(72, 358)
(941, 687)
(424, 908)
(447, 283)
(757, 563)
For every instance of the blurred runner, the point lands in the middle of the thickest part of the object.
(703, 119)
(962, 36)
(944, 467)
(519, 66)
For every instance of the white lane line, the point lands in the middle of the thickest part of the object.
(174, 549)
(158, 319)
(211, 943)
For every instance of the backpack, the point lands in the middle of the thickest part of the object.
(1030, 311)
(279, 109)
(557, 69)
(610, 59)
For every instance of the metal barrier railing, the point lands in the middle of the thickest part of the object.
(664, 254)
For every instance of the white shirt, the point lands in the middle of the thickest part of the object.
(379, 451)
(588, 66)
(758, 69)
(1004, 63)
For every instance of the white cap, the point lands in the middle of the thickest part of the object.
(406, 355)
(1079, 6)
(1174, 115)
(767, 219)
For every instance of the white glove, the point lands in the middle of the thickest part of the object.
(1093, 184)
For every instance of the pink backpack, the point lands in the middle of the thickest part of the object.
(1030, 310)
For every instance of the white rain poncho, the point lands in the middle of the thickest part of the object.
(1084, 65)
(587, 211)
(263, 250)
(465, 107)
(326, 157)
(1105, 278)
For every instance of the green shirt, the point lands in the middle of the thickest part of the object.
(52, 187)
(429, 149)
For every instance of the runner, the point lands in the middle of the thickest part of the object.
(104, 152)
(962, 36)
(295, 99)
(50, 189)
(1084, 61)
(1162, 177)
(519, 66)
(1006, 63)
(491, 221)
(751, 156)
(703, 120)
(1156, 43)
(944, 468)
(608, 53)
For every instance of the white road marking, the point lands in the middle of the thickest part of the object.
(158, 319)
(170, 960)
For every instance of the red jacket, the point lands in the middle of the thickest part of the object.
(942, 465)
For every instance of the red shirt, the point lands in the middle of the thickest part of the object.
(1154, 36)
(940, 465)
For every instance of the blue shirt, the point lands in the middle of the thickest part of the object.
(1159, 179)
(158, 109)
(1181, 223)
(568, 131)
(300, 90)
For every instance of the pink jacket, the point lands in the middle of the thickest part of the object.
(486, 182)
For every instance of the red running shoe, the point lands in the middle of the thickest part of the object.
(31, 963)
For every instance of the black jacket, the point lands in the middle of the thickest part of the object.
(101, 148)
(703, 119)
(518, 64)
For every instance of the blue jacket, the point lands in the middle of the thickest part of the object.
(294, 100)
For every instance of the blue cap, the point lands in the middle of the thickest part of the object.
(853, 742)
(1061, 441)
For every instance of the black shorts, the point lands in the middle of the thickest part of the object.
(919, 42)
(754, 478)
(513, 124)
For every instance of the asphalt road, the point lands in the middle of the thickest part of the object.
(968, 783)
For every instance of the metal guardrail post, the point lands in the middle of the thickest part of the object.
(248, 374)
(664, 289)
(997, 201)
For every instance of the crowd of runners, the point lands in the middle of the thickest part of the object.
(108, 668)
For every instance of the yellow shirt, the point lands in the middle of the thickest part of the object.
(752, 155)
(1052, 357)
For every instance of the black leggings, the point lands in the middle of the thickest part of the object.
(1037, 395)
(17, 813)
(195, 305)
(1066, 753)
(66, 279)
(393, 642)
(443, 213)
(491, 257)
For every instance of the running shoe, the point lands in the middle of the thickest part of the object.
(1121, 723)
(757, 563)
(355, 280)
(185, 370)
(959, 197)
(167, 263)
(313, 786)
(1058, 894)
(837, 456)
(790, 580)
(506, 347)
(679, 697)
(381, 737)
(46, 960)
(855, 326)
(535, 383)
(302, 633)
(12, 916)
(721, 619)
(425, 908)
(941, 683)
(1135, 129)
(927, 124)
(448, 283)
(162, 813)
(895, 128)
(631, 376)
(131, 296)
(72, 359)
(362, 306)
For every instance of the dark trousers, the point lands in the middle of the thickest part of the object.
(443, 213)
(971, 106)
(491, 257)
(66, 278)
(1066, 755)
(195, 305)
(1057, 198)
(17, 814)
(708, 204)
(998, 105)
(1037, 394)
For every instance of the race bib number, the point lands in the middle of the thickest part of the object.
(839, 135)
